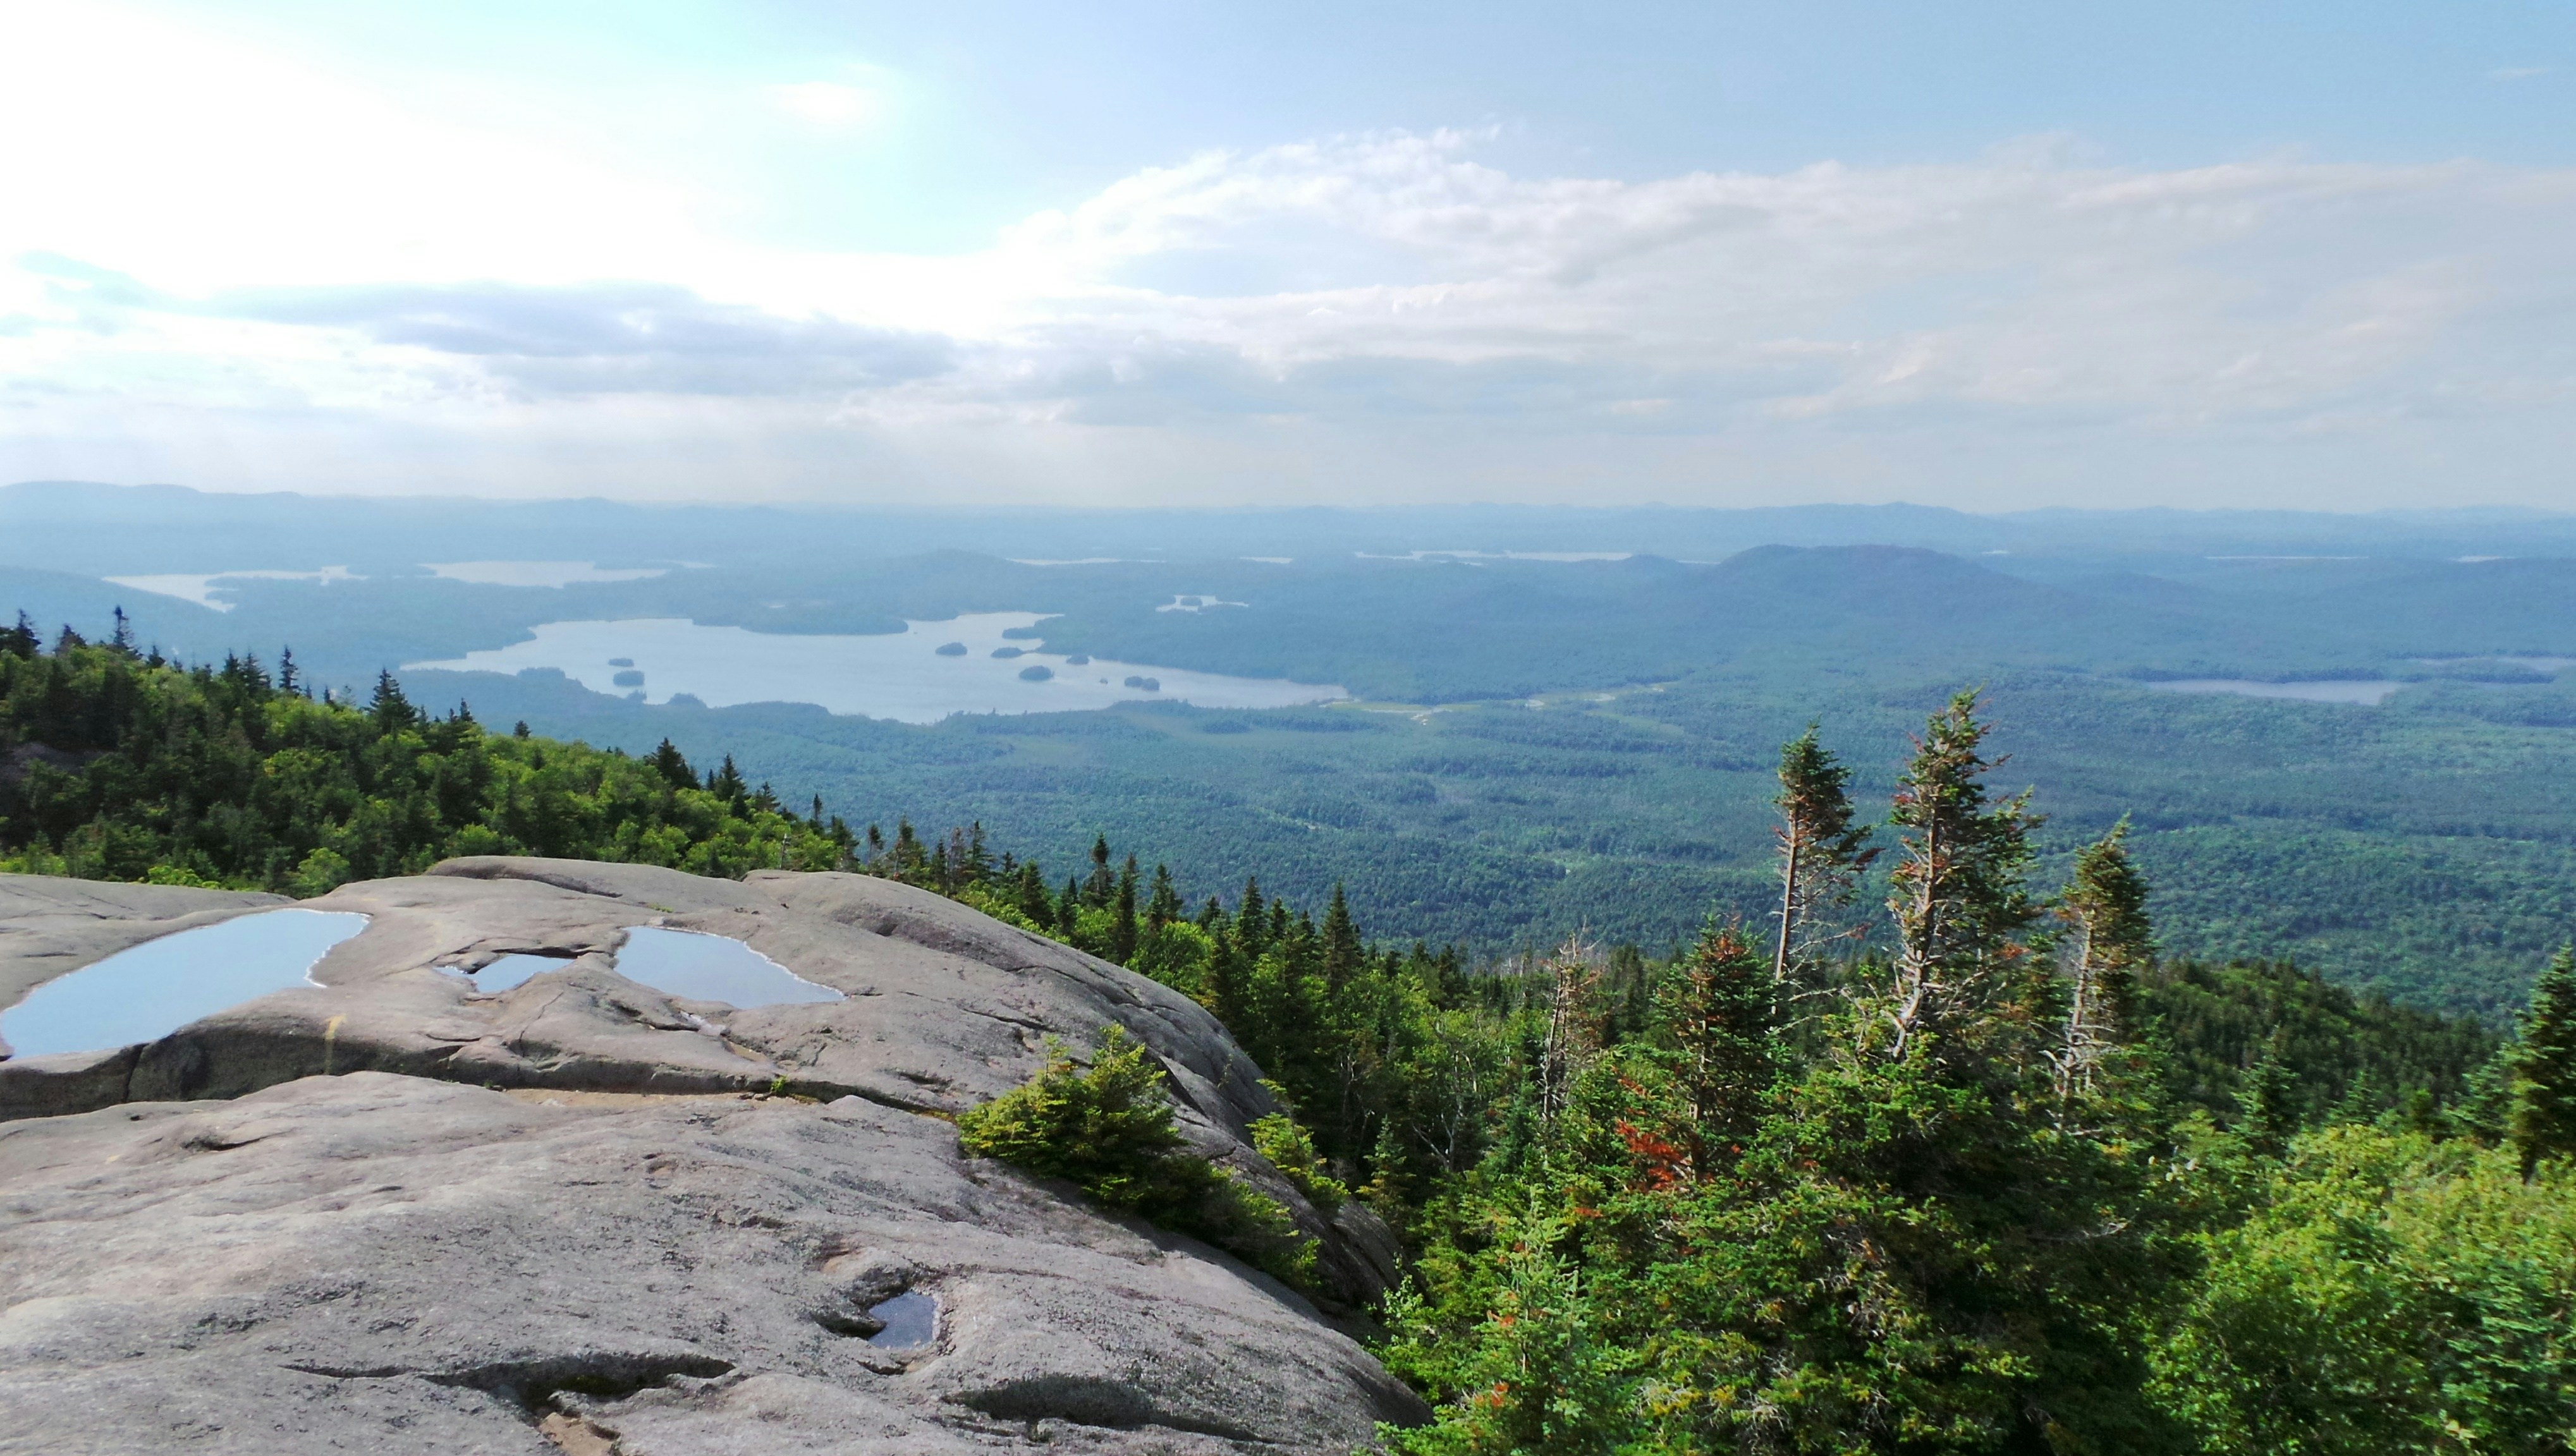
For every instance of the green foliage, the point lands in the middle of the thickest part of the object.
(1950, 1185)
(2383, 1293)
(125, 767)
(2544, 1067)
(1291, 1149)
(1108, 1130)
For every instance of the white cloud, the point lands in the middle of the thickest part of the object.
(828, 103)
(216, 244)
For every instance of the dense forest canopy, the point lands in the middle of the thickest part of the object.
(1938, 1156)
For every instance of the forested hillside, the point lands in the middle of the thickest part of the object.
(117, 765)
(1942, 1156)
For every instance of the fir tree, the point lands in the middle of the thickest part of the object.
(392, 711)
(1251, 920)
(730, 787)
(674, 769)
(1959, 900)
(2108, 941)
(1163, 903)
(1821, 854)
(2270, 1102)
(1068, 913)
(2544, 1067)
(1122, 916)
(1034, 901)
(1103, 881)
(1717, 1011)
(1341, 943)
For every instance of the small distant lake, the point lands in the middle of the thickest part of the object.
(712, 968)
(2369, 692)
(146, 992)
(898, 675)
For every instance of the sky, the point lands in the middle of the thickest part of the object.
(1990, 256)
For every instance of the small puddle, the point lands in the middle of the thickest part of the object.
(712, 968)
(911, 1321)
(145, 992)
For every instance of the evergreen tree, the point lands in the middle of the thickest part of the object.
(1103, 881)
(392, 711)
(1163, 905)
(2544, 1067)
(1122, 916)
(1068, 913)
(1341, 943)
(2270, 1114)
(1716, 1010)
(1959, 900)
(674, 769)
(1821, 855)
(730, 787)
(287, 679)
(1251, 920)
(1034, 901)
(2108, 941)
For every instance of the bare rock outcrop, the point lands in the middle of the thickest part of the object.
(397, 1212)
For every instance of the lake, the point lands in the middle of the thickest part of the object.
(897, 675)
(2369, 692)
(145, 992)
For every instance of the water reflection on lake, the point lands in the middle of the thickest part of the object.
(145, 992)
(899, 675)
(2369, 692)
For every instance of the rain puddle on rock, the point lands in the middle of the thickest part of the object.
(145, 992)
(911, 1321)
(509, 971)
(712, 968)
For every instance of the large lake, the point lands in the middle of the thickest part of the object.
(898, 675)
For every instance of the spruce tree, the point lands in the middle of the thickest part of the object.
(1103, 881)
(2270, 1101)
(1163, 903)
(1821, 852)
(1341, 943)
(672, 766)
(2544, 1067)
(1035, 903)
(392, 711)
(1122, 916)
(1252, 921)
(1959, 899)
(2108, 941)
(1716, 1010)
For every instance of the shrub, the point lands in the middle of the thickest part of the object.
(1108, 1130)
(1291, 1149)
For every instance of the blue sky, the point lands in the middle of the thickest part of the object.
(1983, 255)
